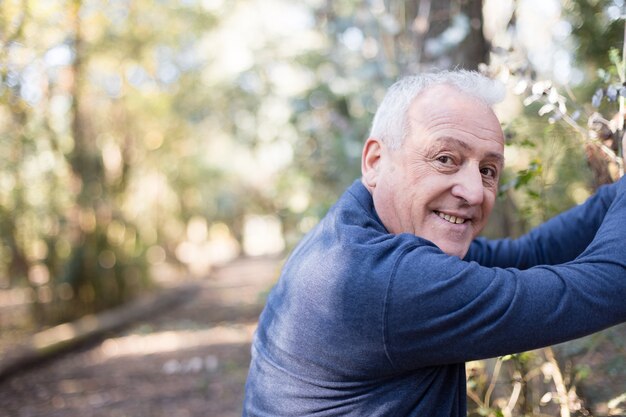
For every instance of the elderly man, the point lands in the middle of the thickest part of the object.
(380, 305)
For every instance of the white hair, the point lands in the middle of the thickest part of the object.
(390, 121)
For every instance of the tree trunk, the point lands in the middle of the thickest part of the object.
(474, 49)
(433, 23)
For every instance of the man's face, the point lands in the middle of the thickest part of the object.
(441, 184)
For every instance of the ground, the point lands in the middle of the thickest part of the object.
(192, 360)
(187, 362)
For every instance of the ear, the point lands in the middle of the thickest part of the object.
(370, 161)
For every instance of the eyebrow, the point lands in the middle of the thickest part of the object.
(493, 155)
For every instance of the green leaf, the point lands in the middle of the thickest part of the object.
(614, 57)
(524, 177)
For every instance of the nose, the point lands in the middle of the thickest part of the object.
(469, 186)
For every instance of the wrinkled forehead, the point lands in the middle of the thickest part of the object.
(445, 110)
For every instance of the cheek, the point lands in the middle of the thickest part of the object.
(420, 169)
(489, 202)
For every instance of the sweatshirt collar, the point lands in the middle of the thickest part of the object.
(364, 197)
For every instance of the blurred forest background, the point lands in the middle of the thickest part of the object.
(145, 141)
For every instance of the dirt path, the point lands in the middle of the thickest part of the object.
(191, 361)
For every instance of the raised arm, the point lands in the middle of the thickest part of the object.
(453, 311)
(556, 241)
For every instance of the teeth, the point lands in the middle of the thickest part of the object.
(451, 219)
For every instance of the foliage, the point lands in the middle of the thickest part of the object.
(597, 29)
(84, 143)
(584, 127)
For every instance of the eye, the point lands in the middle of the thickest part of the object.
(445, 159)
(489, 172)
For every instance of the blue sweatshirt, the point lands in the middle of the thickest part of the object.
(366, 323)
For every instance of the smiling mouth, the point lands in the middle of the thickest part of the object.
(451, 219)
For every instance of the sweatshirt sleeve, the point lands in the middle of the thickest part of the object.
(559, 240)
(452, 311)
